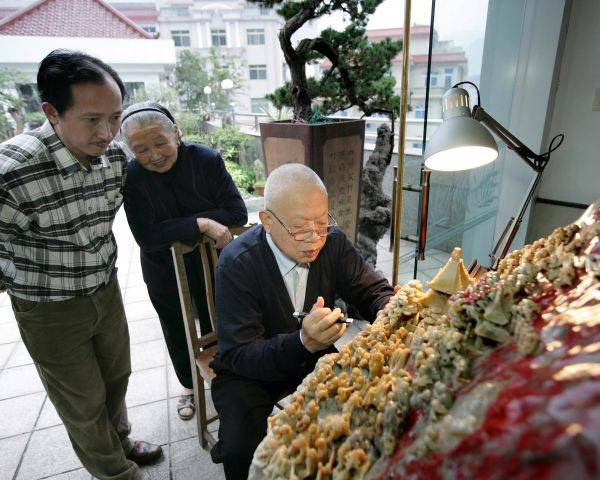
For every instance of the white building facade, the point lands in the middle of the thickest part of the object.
(238, 29)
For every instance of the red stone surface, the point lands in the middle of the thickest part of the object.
(545, 421)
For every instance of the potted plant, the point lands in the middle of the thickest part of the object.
(356, 75)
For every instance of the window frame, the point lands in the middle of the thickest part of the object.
(433, 79)
(254, 34)
(257, 70)
(179, 38)
(218, 39)
(264, 103)
(448, 76)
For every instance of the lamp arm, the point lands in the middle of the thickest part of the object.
(537, 164)
(535, 161)
(514, 224)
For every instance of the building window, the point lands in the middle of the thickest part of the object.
(259, 105)
(448, 73)
(177, 10)
(218, 37)
(417, 145)
(151, 29)
(433, 79)
(419, 111)
(258, 72)
(264, 10)
(181, 38)
(256, 36)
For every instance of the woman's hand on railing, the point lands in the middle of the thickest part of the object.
(219, 233)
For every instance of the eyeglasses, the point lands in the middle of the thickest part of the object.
(304, 234)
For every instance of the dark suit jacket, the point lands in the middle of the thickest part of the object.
(162, 208)
(258, 337)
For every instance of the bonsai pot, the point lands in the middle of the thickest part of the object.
(333, 150)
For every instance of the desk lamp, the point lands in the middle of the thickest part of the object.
(464, 141)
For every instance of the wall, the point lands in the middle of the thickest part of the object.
(129, 57)
(573, 173)
(519, 69)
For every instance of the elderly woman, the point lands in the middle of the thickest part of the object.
(175, 192)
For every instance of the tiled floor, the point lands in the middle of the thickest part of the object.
(34, 444)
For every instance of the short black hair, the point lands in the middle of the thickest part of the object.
(62, 68)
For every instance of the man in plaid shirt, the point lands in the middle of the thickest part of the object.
(60, 189)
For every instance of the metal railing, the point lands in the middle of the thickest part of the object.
(253, 120)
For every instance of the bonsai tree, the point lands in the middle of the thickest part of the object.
(359, 74)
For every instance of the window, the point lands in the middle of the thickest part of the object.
(218, 37)
(448, 72)
(178, 10)
(433, 80)
(256, 36)
(417, 145)
(258, 72)
(264, 10)
(151, 29)
(419, 111)
(181, 38)
(259, 105)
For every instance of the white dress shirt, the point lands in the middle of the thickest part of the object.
(295, 275)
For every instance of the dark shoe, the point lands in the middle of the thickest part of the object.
(186, 401)
(144, 453)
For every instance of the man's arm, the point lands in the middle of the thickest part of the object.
(13, 222)
(243, 349)
(358, 283)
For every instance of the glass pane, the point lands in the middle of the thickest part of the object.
(462, 205)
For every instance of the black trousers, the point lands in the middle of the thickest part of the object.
(243, 405)
(164, 295)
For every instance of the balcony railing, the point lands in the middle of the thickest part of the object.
(253, 120)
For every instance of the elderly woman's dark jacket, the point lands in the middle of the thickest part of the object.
(162, 208)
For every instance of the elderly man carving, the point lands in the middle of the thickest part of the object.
(296, 260)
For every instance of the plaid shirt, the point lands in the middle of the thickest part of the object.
(56, 217)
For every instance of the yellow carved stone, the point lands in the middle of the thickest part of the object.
(453, 277)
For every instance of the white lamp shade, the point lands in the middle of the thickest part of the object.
(227, 84)
(461, 143)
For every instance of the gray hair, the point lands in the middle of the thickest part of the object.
(288, 177)
(145, 118)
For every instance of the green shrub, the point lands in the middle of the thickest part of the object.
(229, 141)
(188, 123)
(243, 177)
